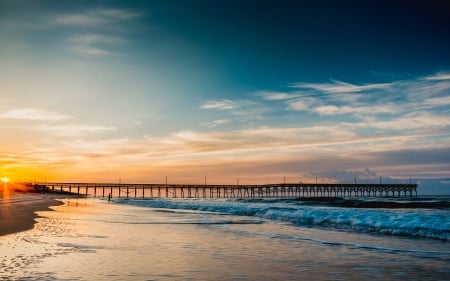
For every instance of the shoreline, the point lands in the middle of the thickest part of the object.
(18, 209)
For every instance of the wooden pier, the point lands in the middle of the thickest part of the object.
(284, 190)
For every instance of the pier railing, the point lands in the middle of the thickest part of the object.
(284, 190)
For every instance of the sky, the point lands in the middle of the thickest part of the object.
(260, 91)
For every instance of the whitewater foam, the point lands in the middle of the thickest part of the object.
(402, 222)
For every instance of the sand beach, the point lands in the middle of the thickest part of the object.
(18, 207)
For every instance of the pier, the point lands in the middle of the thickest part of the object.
(284, 190)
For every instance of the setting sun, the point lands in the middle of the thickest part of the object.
(5, 180)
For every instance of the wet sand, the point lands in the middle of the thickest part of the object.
(18, 207)
(93, 239)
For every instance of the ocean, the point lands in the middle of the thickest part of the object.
(234, 239)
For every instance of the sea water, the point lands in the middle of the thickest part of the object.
(194, 239)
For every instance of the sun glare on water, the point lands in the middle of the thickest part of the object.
(5, 180)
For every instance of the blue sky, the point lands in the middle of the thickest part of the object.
(259, 90)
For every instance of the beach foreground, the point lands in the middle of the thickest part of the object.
(89, 239)
(18, 207)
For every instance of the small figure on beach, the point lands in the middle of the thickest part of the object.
(109, 197)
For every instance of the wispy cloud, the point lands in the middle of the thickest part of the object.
(33, 114)
(357, 110)
(57, 126)
(207, 146)
(223, 104)
(439, 76)
(301, 104)
(103, 18)
(244, 111)
(92, 19)
(216, 123)
(416, 120)
(371, 115)
(88, 39)
(278, 95)
(438, 101)
(70, 130)
(396, 98)
(251, 150)
(337, 87)
(100, 31)
(95, 44)
(91, 50)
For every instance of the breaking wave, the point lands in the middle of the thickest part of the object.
(424, 223)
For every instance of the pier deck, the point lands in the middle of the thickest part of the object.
(284, 190)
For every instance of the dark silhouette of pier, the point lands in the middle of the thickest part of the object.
(283, 190)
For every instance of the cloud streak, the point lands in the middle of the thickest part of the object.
(338, 87)
(280, 96)
(224, 104)
(69, 130)
(33, 114)
(100, 18)
(96, 44)
(100, 32)
(439, 76)
(52, 123)
(383, 103)
(216, 123)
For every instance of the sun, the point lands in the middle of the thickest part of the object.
(5, 180)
